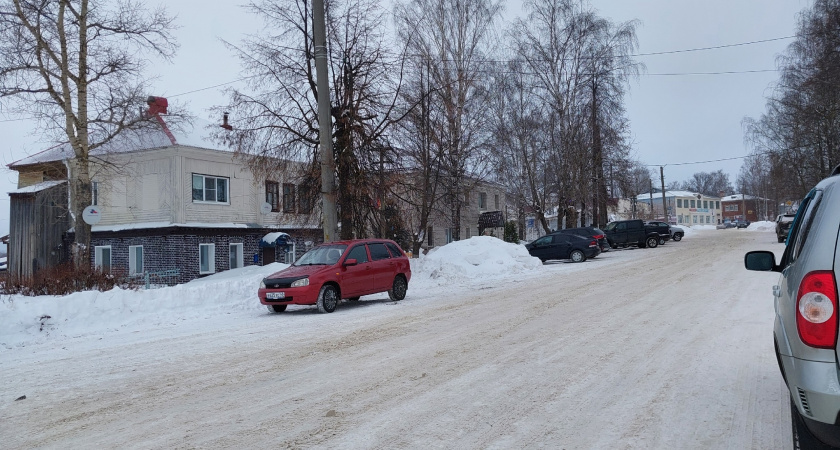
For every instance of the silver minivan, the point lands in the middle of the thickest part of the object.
(807, 312)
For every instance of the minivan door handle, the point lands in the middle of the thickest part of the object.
(777, 291)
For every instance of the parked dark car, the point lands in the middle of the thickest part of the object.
(783, 223)
(336, 270)
(742, 224)
(806, 303)
(564, 246)
(593, 232)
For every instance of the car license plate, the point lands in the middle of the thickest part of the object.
(275, 295)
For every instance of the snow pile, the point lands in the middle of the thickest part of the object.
(764, 225)
(474, 258)
(26, 320)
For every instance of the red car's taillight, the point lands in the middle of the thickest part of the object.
(816, 304)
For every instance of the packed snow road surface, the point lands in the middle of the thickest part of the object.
(640, 348)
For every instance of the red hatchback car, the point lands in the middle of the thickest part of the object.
(337, 270)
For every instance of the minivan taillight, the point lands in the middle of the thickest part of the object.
(816, 303)
(593, 244)
(599, 236)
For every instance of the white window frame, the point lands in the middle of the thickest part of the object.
(211, 254)
(132, 260)
(204, 179)
(97, 257)
(240, 262)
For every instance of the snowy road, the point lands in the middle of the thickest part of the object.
(644, 348)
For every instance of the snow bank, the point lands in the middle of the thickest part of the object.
(764, 225)
(473, 258)
(35, 319)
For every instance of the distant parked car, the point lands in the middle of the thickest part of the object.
(806, 304)
(593, 232)
(742, 224)
(336, 270)
(783, 223)
(564, 246)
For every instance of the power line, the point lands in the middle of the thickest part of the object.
(716, 47)
(731, 72)
(712, 160)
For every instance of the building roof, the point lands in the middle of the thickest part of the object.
(193, 134)
(38, 187)
(671, 194)
(739, 197)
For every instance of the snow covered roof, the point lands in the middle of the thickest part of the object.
(739, 197)
(194, 134)
(274, 239)
(646, 196)
(38, 187)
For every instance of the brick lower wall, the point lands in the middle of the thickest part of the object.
(179, 249)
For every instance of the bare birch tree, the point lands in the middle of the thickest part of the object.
(452, 40)
(77, 67)
(276, 115)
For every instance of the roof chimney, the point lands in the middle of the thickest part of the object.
(225, 123)
(157, 105)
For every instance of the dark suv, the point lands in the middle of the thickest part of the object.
(807, 311)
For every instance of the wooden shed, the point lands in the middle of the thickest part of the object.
(39, 218)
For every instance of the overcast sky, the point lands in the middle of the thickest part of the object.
(677, 116)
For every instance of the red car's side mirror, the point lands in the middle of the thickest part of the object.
(351, 262)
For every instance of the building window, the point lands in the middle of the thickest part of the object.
(694, 218)
(679, 203)
(692, 204)
(135, 259)
(288, 198)
(449, 235)
(706, 204)
(209, 189)
(482, 200)
(206, 258)
(708, 219)
(272, 195)
(430, 237)
(94, 193)
(680, 218)
(496, 201)
(102, 258)
(731, 207)
(235, 257)
(306, 199)
(717, 205)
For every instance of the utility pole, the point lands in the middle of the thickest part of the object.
(651, 200)
(319, 32)
(664, 206)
